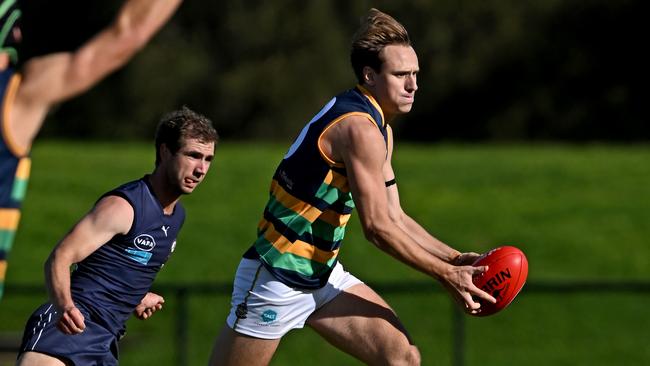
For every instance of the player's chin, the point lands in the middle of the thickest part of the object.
(183, 189)
(187, 189)
(405, 108)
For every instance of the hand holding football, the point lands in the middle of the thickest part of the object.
(506, 275)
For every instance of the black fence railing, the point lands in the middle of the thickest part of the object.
(182, 293)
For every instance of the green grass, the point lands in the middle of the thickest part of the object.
(577, 212)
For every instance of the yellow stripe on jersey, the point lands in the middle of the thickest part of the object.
(306, 250)
(334, 218)
(331, 217)
(24, 166)
(299, 247)
(9, 218)
(262, 225)
(8, 101)
(337, 180)
(307, 211)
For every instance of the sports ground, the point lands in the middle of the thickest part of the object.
(580, 213)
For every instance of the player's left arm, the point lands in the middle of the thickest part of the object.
(412, 227)
(150, 303)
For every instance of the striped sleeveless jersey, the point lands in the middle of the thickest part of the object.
(310, 202)
(15, 165)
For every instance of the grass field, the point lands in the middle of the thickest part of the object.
(578, 213)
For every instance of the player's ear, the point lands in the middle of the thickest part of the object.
(369, 75)
(165, 153)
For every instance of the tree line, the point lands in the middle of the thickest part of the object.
(504, 70)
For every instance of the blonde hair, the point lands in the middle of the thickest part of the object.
(377, 31)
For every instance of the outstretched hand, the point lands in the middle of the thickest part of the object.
(149, 304)
(71, 321)
(459, 284)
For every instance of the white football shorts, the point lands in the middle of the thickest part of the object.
(263, 307)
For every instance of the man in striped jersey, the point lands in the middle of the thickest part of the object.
(290, 276)
(27, 92)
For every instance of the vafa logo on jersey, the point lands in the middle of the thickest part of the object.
(144, 242)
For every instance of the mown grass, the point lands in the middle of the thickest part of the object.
(578, 212)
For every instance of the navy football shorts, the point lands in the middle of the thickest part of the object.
(95, 346)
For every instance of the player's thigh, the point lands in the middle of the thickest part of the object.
(359, 322)
(38, 359)
(233, 349)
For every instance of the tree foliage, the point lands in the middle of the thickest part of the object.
(498, 70)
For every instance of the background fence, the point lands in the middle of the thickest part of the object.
(181, 295)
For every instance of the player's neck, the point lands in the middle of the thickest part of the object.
(166, 195)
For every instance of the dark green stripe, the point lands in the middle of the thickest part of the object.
(287, 216)
(330, 194)
(290, 261)
(327, 232)
(301, 227)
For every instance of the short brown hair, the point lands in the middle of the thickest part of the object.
(178, 126)
(377, 31)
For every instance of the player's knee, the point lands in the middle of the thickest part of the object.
(407, 356)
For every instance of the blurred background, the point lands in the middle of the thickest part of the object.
(490, 71)
(529, 129)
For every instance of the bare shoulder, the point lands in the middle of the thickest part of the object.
(113, 202)
(340, 137)
(113, 212)
(355, 126)
(113, 205)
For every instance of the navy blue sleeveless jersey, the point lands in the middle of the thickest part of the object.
(112, 280)
(310, 202)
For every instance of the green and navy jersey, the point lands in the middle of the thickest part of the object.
(112, 280)
(310, 203)
(15, 165)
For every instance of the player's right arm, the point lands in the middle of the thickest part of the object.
(111, 215)
(54, 78)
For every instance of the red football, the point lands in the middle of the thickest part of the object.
(506, 275)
